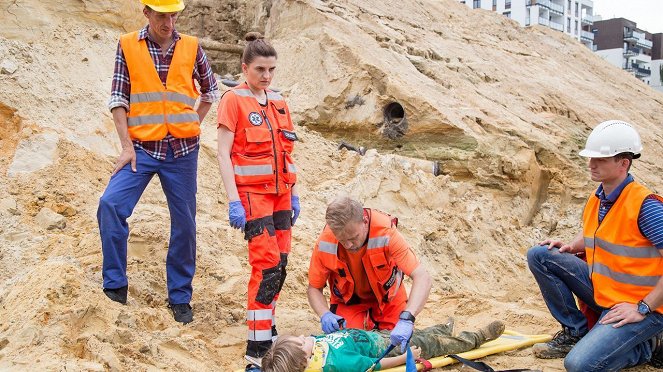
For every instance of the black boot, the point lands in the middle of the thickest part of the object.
(182, 313)
(117, 294)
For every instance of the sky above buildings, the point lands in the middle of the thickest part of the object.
(648, 14)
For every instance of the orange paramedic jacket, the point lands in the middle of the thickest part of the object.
(624, 265)
(264, 140)
(384, 267)
(155, 110)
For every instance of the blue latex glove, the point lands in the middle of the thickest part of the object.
(294, 200)
(329, 322)
(401, 334)
(237, 215)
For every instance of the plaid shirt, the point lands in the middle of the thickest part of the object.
(121, 90)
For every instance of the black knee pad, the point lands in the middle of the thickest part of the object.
(269, 285)
(283, 220)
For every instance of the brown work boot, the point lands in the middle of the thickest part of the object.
(492, 331)
(558, 347)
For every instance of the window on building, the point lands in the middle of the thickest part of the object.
(568, 25)
(507, 5)
(476, 4)
(494, 5)
(568, 6)
(576, 10)
(507, 14)
(576, 31)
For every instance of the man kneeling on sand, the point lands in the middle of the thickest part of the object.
(356, 350)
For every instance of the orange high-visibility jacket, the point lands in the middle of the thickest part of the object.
(384, 276)
(624, 265)
(264, 140)
(154, 109)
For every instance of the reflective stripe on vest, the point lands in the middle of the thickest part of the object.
(158, 96)
(253, 170)
(623, 250)
(292, 168)
(624, 265)
(158, 119)
(155, 109)
(626, 278)
(377, 242)
(327, 247)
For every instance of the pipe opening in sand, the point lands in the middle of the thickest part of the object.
(395, 122)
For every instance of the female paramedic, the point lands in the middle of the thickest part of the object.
(255, 141)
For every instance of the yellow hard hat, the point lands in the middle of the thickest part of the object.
(164, 6)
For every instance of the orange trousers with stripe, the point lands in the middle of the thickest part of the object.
(268, 232)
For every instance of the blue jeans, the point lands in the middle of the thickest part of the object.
(604, 348)
(178, 181)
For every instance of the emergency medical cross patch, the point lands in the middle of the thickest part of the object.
(255, 118)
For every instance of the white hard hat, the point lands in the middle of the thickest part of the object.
(610, 138)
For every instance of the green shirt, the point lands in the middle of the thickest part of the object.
(347, 350)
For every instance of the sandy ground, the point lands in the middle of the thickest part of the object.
(470, 227)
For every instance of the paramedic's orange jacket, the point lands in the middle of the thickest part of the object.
(624, 265)
(264, 140)
(387, 258)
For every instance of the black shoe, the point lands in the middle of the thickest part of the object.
(182, 313)
(657, 351)
(117, 294)
(558, 347)
(252, 368)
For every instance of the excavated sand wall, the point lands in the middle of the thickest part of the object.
(504, 109)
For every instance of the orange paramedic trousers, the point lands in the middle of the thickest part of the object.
(268, 231)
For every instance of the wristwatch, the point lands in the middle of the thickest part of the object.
(643, 308)
(406, 315)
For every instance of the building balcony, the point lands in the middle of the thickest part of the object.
(587, 4)
(644, 43)
(557, 8)
(544, 21)
(630, 52)
(588, 19)
(628, 36)
(557, 26)
(587, 36)
(641, 72)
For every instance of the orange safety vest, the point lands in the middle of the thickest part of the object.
(154, 109)
(384, 276)
(264, 140)
(624, 265)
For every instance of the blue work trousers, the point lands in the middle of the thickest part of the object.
(603, 348)
(178, 181)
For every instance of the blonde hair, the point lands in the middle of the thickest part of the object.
(285, 355)
(342, 211)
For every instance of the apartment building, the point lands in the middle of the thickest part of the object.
(656, 80)
(620, 42)
(573, 17)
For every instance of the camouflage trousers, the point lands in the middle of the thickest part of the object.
(438, 340)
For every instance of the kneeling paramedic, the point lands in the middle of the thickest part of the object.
(363, 257)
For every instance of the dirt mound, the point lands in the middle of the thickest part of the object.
(504, 110)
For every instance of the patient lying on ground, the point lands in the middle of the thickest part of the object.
(356, 350)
